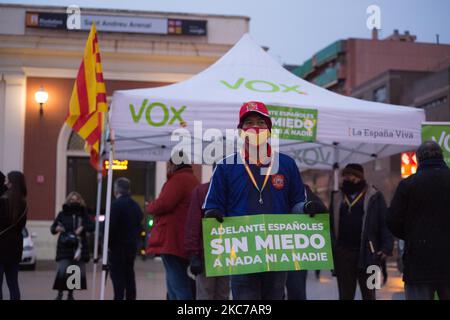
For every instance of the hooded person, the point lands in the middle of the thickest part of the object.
(420, 215)
(359, 232)
(246, 183)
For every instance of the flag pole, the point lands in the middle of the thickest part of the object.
(107, 217)
(97, 217)
(97, 227)
(87, 105)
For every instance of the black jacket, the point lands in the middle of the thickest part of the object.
(125, 225)
(374, 227)
(71, 220)
(11, 241)
(420, 215)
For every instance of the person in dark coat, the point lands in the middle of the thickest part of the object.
(207, 288)
(359, 234)
(420, 215)
(13, 217)
(71, 225)
(3, 187)
(125, 225)
(167, 236)
(296, 280)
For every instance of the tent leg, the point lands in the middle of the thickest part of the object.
(336, 178)
(97, 228)
(336, 168)
(106, 232)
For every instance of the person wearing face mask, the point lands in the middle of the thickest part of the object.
(13, 217)
(359, 232)
(71, 226)
(170, 211)
(247, 183)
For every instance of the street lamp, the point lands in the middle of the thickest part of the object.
(41, 97)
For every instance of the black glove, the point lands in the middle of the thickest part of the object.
(314, 207)
(214, 213)
(196, 265)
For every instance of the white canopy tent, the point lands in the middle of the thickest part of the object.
(360, 130)
(347, 129)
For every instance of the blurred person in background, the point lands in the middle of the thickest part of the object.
(207, 288)
(167, 237)
(420, 215)
(359, 233)
(125, 226)
(13, 217)
(71, 226)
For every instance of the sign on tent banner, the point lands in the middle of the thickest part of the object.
(439, 133)
(294, 123)
(267, 242)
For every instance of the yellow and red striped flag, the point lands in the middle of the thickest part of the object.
(88, 101)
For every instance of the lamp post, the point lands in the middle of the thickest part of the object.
(41, 97)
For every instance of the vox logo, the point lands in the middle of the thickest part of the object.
(443, 141)
(261, 86)
(157, 114)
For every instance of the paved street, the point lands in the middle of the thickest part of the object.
(151, 283)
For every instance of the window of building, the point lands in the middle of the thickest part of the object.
(380, 94)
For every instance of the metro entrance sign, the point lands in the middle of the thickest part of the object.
(129, 24)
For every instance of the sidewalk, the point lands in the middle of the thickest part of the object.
(150, 282)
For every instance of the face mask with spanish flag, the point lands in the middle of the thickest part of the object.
(256, 142)
(255, 136)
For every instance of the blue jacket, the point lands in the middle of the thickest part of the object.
(232, 192)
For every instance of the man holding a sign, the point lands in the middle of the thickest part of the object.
(256, 181)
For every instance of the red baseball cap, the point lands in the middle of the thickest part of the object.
(257, 107)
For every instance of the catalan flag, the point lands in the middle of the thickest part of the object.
(88, 101)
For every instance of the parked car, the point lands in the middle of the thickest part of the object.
(29, 252)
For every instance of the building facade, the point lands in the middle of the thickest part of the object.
(346, 64)
(396, 70)
(429, 90)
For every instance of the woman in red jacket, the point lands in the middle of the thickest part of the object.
(167, 236)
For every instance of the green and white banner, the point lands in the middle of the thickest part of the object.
(440, 133)
(294, 123)
(268, 242)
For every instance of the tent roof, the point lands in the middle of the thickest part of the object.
(361, 128)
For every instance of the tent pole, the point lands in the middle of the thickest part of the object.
(106, 231)
(97, 228)
(336, 168)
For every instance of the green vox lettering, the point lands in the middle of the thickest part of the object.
(149, 108)
(262, 86)
(235, 86)
(255, 85)
(444, 141)
(149, 111)
(137, 117)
